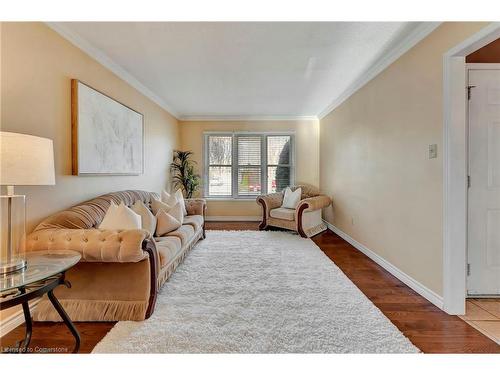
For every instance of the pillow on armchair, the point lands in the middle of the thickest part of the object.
(291, 198)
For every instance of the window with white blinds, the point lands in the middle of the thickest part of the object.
(240, 165)
(249, 165)
(220, 163)
(278, 163)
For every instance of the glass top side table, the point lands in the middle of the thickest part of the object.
(45, 270)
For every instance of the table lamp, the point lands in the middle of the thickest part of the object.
(24, 160)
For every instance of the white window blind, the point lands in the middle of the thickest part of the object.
(278, 163)
(246, 165)
(249, 165)
(219, 165)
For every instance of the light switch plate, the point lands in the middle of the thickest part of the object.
(433, 151)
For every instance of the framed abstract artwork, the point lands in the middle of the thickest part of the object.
(107, 136)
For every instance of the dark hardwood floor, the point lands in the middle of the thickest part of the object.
(429, 328)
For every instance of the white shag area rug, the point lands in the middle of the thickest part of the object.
(258, 292)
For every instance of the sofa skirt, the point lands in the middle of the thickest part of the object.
(82, 311)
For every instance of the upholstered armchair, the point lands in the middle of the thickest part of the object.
(305, 219)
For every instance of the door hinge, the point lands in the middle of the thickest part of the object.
(468, 182)
(468, 269)
(468, 91)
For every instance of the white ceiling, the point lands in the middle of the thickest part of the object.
(238, 69)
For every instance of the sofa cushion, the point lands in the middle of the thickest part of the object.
(148, 220)
(157, 205)
(168, 198)
(180, 199)
(168, 248)
(172, 198)
(185, 233)
(120, 218)
(168, 221)
(196, 221)
(283, 213)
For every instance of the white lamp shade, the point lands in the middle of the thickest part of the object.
(26, 160)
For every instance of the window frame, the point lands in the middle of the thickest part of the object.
(234, 162)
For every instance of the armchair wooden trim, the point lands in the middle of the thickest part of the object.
(263, 223)
(300, 210)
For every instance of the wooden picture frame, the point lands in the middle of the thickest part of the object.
(107, 137)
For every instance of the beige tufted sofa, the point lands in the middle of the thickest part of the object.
(305, 219)
(121, 271)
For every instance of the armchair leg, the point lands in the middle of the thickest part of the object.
(262, 225)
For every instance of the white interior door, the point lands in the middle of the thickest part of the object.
(484, 191)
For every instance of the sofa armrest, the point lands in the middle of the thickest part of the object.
(314, 203)
(196, 206)
(269, 201)
(95, 245)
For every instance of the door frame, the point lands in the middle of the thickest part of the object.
(455, 167)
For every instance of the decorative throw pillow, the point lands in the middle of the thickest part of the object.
(180, 199)
(156, 205)
(120, 218)
(168, 221)
(291, 198)
(170, 199)
(148, 220)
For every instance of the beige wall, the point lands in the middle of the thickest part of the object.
(307, 154)
(36, 68)
(374, 159)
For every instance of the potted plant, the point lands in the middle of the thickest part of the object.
(183, 174)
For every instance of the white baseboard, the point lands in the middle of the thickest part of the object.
(16, 319)
(233, 218)
(393, 270)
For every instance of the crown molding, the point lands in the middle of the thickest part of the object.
(107, 62)
(246, 118)
(420, 32)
